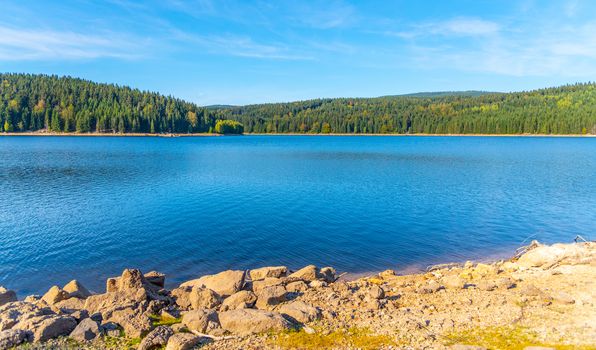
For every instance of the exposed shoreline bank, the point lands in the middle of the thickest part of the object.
(94, 134)
(543, 296)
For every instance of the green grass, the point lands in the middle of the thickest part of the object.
(160, 321)
(505, 338)
(353, 337)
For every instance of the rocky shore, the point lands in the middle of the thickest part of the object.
(543, 297)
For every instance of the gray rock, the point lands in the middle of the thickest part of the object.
(7, 296)
(296, 287)
(250, 321)
(269, 271)
(12, 337)
(157, 338)
(244, 299)
(202, 321)
(86, 330)
(300, 311)
(486, 285)
(376, 292)
(183, 341)
(54, 295)
(48, 326)
(203, 298)
(14, 312)
(224, 283)
(328, 274)
(453, 282)
(269, 297)
(111, 329)
(158, 279)
(538, 348)
(466, 347)
(76, 290)
(267, 282)
(307, 273)
(182, 296)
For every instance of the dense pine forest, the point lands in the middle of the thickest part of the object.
(64, 104)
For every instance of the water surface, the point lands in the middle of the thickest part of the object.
(87, 207)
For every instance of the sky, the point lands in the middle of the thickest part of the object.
(242, 52)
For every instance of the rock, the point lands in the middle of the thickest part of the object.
(12, 313)
(300, 311)
(327, 274)
(453, 282)
(269, 271)
(250, 321)
(482, 270)
(203, 298)
(32, 298)
(201, 321)
(7, 296)
(387, 274)
(486, 285)
(54, 295)
(224, 283)
(76, 290)
(182, 296)
(538, 348)
(296, 287)
(317, 284)
(183, 341)
(12, 337)
(80, 315)
(307, 273)
(86, 330)
(108, 302)
(70, 305)
(157, 338)
(244, 299)
(562, 298)
(505, 283)
(509, 266)
(431, 286)
(376, 292)
(134, 322)
(111, 329)
(267, 282)
(269, 297)
(545, 256)
(157, 279)
(169, 314)
(133, 285)
(47, 327)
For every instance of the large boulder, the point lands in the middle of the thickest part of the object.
(10, 338)
(7, 296)
(157, 338)
(296, 287)
(183, 341)
(14, 312)
(48, 326)
(300, 311)
(224, 283)
(545, 256)
(86, 330)
(203, 298)
(76, 290)
(181, 296)
(244, 299)
(269, 297)
(70, 305)
(269, 271)
(266, 282)
(134, 322)
(307, 273)
(250, 321)
(54, 295)
(202, 321)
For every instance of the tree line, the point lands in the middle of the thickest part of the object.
(64, 104)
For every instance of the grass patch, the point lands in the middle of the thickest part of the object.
(353, 337)
(505, 338)
(158, 320)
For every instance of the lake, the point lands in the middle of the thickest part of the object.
(88, 207)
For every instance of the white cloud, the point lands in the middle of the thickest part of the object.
(32, 44)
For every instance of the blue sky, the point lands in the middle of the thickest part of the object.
(239, 52)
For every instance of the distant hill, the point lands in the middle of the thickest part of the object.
(469, 93)
(41, 102)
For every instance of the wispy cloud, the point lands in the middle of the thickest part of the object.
(31, 44)
(457, 27)
(241, 46)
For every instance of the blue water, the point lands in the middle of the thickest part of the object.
(87, 207)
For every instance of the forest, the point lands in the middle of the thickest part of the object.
(64, 104)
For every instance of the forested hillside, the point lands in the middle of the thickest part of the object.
(41, 102)
(567, 109)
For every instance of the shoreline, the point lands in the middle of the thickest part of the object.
(542, 296)
(95, 134)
